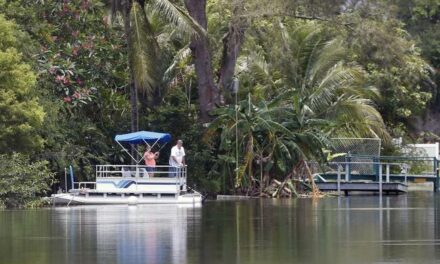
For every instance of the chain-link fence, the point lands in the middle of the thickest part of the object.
(360, 151)
(360, 157)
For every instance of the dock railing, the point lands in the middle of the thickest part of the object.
(344, 168)
(417, 167)
(411, 168)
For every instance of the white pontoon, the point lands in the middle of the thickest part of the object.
(133, 184)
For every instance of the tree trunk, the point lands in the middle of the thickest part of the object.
(134, 107)
(133, 90)
(132, 84)
(232, 42)
(208, 91)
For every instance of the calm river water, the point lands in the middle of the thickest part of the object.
(367, 229)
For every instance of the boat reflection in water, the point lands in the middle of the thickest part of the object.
(128, 234)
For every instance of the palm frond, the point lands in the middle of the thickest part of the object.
(323, 94)
(143, 53)
(181, 55)
(331, 52)
(179, 17)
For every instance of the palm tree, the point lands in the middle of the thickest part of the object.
(291, 117)
(321, 85)
(144, 53)
(314, 79)
(260, 133)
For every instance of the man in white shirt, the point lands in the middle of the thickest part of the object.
(177, 157)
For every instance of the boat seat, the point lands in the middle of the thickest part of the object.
(126, 172)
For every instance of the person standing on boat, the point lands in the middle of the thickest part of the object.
(150, 160)
(177, 158)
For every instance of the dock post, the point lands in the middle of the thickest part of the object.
(348, 167)
(339, 180)
(380, 179)
(406, 174)
(376, 167)
(388, 173)
(436, 172)
(65, 180)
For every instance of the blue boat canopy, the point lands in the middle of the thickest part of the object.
(143, 136)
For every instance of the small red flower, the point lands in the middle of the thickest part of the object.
(65, 7)
(67, 99)
(59, 78)
(75, 51)
(76, 95)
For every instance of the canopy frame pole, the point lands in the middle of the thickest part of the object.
(150, 146)
(162, 146)
(147, 143)
(154, 144)
(127, 152)
(140, 155)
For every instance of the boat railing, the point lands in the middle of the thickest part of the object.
(84, 185)
(140, 171)
(159, 173)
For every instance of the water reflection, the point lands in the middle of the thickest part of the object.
(113, 234)
(368, 229)
(339, 230)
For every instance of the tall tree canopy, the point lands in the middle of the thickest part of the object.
(20, 113)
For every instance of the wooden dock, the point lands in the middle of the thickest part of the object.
(346, 187)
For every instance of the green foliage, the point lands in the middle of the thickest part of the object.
(309, 68)
(421, 19)
(263, 132)
(301, 82)
(395, 68)
(79, 54)
(144, 53)
(82, 69)
(22, 181)
(379, 43)
(20, 112)
(295, 102)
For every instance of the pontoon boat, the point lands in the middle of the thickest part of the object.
(133, 184)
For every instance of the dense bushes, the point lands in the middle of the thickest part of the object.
(22, 181)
